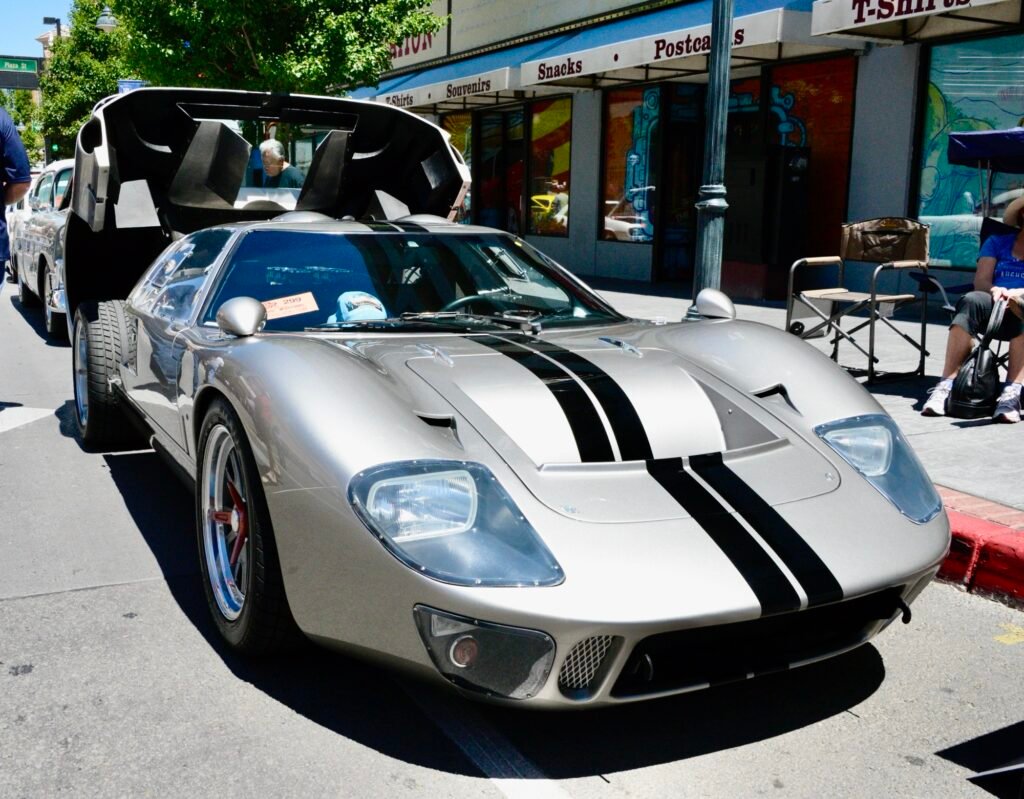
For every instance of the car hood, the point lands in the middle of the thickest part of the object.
(581, 416)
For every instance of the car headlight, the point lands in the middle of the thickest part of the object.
(454, 522)
(875, 447)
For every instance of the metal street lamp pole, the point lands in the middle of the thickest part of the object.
(711, 206)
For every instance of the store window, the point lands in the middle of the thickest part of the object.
(460, 127)
(971, 86)
(811, 106)
(500, 170)
(630, 163)
(550, 141)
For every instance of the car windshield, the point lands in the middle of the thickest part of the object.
(401, 280)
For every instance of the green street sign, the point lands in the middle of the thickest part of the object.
(18, 65)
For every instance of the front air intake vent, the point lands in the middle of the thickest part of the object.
(577, 675)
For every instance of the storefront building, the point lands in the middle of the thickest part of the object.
(583, 124)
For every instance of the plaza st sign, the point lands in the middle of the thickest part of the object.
(18, 64)
(451, 90)
(762, 28)
(834, 16)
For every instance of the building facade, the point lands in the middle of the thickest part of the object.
(583, 124)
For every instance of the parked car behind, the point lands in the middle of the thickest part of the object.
(16, 214)
(37, 244)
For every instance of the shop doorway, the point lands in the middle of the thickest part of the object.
(502, 170)
(675, 245)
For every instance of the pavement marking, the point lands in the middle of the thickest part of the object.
(18, 415)
(1013, 635)
(504, 765)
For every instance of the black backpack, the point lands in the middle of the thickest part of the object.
(977, 385)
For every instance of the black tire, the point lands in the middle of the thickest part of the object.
(797, 328)
(264, 624)
(101, 418)
(56, 326)
(25, 295)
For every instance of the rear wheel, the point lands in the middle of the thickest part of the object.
(237, 551)
(95, 357)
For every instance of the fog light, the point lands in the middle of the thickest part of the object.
(464, 651)
(480, 656)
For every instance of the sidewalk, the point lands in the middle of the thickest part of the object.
(978, 466)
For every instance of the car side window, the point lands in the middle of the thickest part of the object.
(60, 187)
(172, 287)
(42, 194)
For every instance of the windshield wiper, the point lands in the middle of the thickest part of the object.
(528, 324)
(387, 324)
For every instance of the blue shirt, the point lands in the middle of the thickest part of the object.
(14, 170)
(1009, 271)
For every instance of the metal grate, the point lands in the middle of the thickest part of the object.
(583, 662)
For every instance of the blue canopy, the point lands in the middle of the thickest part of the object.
(1003, 150)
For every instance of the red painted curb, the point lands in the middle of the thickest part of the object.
(985, 556)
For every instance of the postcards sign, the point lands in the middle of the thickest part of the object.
(762, 28)
(834, 16)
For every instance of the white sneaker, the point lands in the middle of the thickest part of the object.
(1008, 406)
(936, 403)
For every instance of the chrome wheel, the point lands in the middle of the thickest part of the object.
(225, 521)
(81, 356)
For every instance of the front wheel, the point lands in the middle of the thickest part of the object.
(238, 557)
(95, 358)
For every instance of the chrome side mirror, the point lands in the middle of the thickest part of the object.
(242, 316)
(715, 304)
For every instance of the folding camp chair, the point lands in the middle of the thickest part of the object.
(893, 243)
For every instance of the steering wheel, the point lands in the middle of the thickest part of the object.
(461, 302)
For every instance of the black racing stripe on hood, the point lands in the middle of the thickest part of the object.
(809, 569)
(769, 583)
(625, 421)
(587, 428)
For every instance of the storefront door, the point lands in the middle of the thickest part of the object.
(680, 180)
(502, 168)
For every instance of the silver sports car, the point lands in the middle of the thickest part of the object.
(428, 444)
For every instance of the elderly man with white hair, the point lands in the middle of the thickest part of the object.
(277, 172)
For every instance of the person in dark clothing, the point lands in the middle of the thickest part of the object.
(277, 172)
(14, 176)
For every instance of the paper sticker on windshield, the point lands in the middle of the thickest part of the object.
(291, 306)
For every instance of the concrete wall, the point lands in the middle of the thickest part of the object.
(582, 251)
(882, 168)
(883, 132)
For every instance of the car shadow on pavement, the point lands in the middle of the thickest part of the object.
(34, 317)
(997, 758)
(377, 709)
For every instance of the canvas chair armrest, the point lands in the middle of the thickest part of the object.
(923, 265)
(820, 260)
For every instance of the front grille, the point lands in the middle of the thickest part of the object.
(723, 653)
(583, 663)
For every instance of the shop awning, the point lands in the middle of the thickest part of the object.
(669, 44)
(911, 20)
(673, 44)
(485, 79)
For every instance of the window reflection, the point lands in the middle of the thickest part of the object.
(550, 142)
(631, 128)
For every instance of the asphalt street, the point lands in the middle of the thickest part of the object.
(112, 682)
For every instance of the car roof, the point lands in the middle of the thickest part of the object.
(299, 221)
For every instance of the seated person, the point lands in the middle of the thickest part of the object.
(1000, 275)
(277, 172)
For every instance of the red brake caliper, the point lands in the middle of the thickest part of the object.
(224, 517)
(243, 523)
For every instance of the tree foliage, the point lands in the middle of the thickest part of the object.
(83, 69)
(22, 108)
(288, 46)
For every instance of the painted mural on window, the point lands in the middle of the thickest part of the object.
(971, 86)
(550, 141)
(811, 105)
(631, 128)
